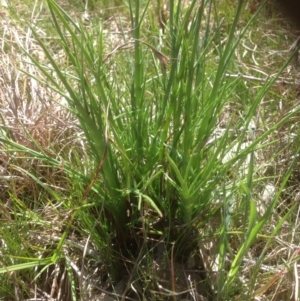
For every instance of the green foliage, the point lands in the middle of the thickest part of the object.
(149, 113)
(163, 129)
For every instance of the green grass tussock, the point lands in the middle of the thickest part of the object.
(143, 155)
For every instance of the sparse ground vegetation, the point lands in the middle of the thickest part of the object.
(149, 151)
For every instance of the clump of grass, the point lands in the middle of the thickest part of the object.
(153, 171)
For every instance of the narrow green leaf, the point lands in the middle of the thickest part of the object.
(27, 265)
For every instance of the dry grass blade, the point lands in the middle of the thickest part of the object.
(264, 288)
(127, 45)
(163, 59)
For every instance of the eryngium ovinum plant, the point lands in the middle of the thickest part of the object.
(156, 183)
